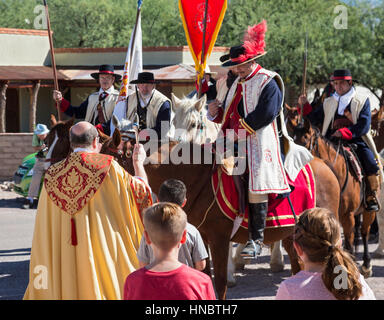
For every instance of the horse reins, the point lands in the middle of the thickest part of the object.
(214, 198)
(314, 145)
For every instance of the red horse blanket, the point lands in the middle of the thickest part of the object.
(279, 211)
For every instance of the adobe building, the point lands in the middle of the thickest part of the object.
(26, 82)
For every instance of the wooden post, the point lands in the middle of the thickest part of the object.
(33, 105)
(3, 104)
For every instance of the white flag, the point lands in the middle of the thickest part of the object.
(134, 59)
(133, 65)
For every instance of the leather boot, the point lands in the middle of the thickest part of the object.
(372, 189)
(256, 225)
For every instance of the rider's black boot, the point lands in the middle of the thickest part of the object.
(256, 226)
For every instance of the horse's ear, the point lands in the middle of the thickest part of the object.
(116, 137)
(103, 137)
(380, 116)
(70, 122)
(115, 121)
(53, 120)
(201, 103)
(175, 101)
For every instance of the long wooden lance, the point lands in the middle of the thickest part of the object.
(56, 83)
(203, 46)
(304, 80)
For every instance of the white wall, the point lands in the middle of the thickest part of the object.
(24, 50)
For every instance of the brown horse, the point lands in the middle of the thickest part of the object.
(202, 208)
(58, 140)
(377, 128)
(203, 211)
(351, 190)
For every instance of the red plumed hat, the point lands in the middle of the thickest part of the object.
(252, 47)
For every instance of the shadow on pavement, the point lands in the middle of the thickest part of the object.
(12, 203)
(14, 275)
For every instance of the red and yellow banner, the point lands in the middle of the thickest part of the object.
(192, 14)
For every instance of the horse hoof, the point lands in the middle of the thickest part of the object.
(366, 272)
(277, 268)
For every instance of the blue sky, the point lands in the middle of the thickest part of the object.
(373, 2)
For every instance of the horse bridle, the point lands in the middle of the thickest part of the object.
(119, 154)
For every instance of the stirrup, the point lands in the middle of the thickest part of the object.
(252, 249)
(372, 204)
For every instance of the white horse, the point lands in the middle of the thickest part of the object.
(191, 124)
(190, 121)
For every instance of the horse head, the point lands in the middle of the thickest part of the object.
(305, 134)
(190, 121)
(126, 128)
(377, 118)
(292, 116)
(117, 147)
(58, 140)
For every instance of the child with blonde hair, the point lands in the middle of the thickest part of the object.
(329, 272)
(166, 278)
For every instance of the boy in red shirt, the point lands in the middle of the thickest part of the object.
(166, 278)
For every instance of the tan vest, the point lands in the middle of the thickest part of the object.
(357, 103)
(108, 105)
(153, 108)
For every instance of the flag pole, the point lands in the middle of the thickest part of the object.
(56, 84)
(139, 2)
(203, 47)
(304, 80)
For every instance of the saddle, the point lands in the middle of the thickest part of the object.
(279, 211)
(228, 166)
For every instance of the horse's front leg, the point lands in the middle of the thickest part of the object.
(219, 250)
(368, 218)
(277, 259)
(293, 257)
(347, 221)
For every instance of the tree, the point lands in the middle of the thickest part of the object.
(329, 47)
(357, 45)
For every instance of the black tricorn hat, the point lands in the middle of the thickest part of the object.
(145, 77)
(224, 58)
(106, 69)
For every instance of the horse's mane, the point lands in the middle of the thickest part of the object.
(329, 143)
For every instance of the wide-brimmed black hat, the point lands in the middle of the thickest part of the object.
(106, 69)
(234, 55)
(145, 77)
(341, 74)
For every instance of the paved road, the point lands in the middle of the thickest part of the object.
(256, 282)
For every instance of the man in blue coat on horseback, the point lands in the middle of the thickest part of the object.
(346, 115)
(254, 104)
